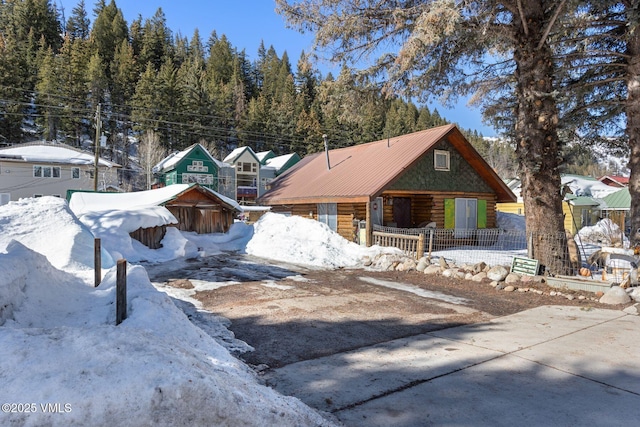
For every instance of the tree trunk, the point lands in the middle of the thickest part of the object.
(537, 141)
(633, 125)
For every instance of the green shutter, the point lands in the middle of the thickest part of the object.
(482, 214)
(449, 213)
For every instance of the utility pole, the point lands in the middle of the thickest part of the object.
(97, 145)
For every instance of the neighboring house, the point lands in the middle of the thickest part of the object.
(195, 165)
(615, 181)
(192, 206)
(247, 167)
(407, 181)
(581, 205)
(615, 206)
(51, 169)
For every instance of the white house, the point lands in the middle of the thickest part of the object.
(50, 169)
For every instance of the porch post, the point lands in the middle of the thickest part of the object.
(369, 228)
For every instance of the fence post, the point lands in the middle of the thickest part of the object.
(97, 262)
(420, 249)
(121, 291)
(430, 243)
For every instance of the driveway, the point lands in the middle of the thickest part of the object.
(389, 348)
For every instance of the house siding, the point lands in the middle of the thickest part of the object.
(460, 177)
(185, 166)
(17, 179)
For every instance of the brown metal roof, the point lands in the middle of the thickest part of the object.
(361, 172)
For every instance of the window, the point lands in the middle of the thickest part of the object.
(247, 167)
(328, 214)
(75, 173)
(441, 160)
(46, 171)
(197, 166)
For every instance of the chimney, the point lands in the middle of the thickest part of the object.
(326, 150)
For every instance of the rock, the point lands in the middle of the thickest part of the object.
(422, 264)
(512, 278)
(553, 293)
(615, 295)
(570, 297)
(524, 278)
(582, 297)
(633, 309)
(599, 294)
(479, 277)
(408, 265)
(432, 269)
(450, 272)
(635, 294)
(468, 276)
(500, 286)
(477, 268)
(523, 290)
(460, 274)
(494, 283)
(366, 261)
(497, 273)
(443, 263)
(509, 288)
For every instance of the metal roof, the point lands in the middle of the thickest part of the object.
(361, 172)
(620, 200)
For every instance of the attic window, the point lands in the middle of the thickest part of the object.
(441, 160)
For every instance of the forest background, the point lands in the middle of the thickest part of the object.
(55, 73)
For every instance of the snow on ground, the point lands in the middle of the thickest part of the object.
(299, 240)
(169, 362)
(61, 351)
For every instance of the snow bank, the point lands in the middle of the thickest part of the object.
(60, 350)
(604, 233)
(48, 226)
(305, 241)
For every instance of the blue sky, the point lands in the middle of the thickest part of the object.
(246, 23)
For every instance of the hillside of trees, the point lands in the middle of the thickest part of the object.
(56, 74)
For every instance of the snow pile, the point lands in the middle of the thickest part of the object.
(510, 221)
(305, 241)
(604, 233)
(46, 225)
(61, 351)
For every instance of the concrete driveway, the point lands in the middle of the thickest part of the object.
(547, 366)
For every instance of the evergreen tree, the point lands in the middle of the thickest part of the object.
(156, 40)
(13, 106)
(78, 24)
(47, 95)
(108, 32)
(72, 62)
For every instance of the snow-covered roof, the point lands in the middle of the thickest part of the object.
(587, 186)
(82, 203)
(44, 152)
(280, 161)
(262, 154)
(172, 159)
(233, 156)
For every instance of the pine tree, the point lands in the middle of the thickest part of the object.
(47, 95)
(78, 24)
(156, 40)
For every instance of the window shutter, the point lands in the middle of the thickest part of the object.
(482, 213)
(449, 213)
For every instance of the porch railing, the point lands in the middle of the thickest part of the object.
(412, 245)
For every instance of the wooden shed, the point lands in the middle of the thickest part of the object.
(202, 210)
(431, 176)
(188, 207)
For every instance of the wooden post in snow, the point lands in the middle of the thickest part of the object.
(121, 291)
(97, 262)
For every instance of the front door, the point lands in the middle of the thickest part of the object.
(402, 212)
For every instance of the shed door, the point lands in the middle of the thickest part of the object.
(402, 212)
